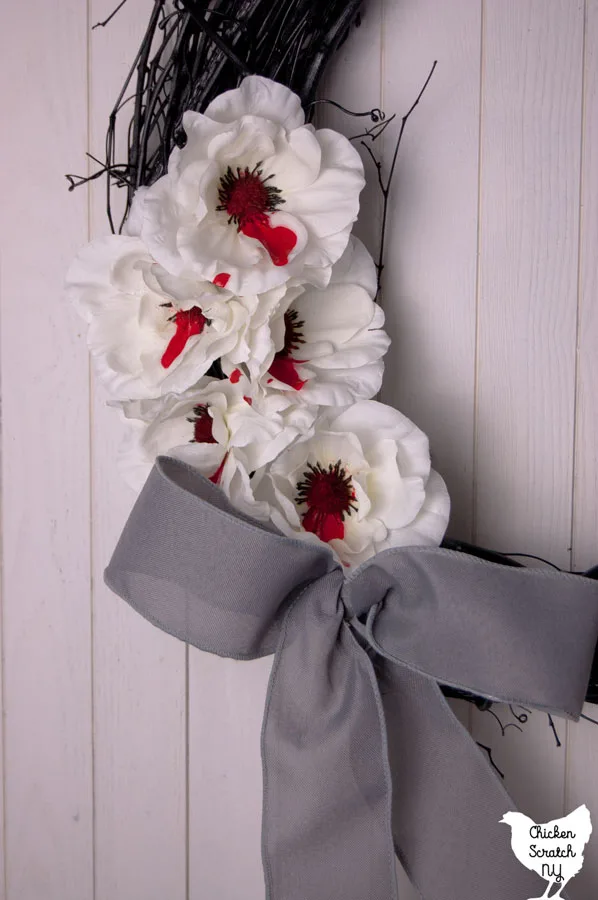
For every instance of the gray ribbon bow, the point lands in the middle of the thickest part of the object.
(362, 755)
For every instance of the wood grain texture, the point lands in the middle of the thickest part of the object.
(45, 465)
(429, 287)
(353, 79)
(582, 752)
(530, 173)
(139, 671)
(530, 170)
(226, 707)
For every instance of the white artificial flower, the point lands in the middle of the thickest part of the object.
(361, 483)
(217, 428)
(151, 333)
(322, 347)
(255, 196)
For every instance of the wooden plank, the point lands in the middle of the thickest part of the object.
(2, 768)
(353, 79)
(582, 755)
(226, 708)
(528, 275)
(430, 276)
(581, 787)
(45, 465)
(530, 170)
(429, 287)
(139, 672)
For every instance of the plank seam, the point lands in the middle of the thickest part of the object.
(2, 672)
(580, 224)
(474, 486)
(90, 394)
(187, 782)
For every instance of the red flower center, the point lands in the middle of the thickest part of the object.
(329, 496)
(246, 196)
(283, 366)
(248, 199)
(202, 425)
(188, 322)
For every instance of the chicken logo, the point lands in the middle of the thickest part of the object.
(553, 850)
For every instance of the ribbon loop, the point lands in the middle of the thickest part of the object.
(189, 562)
(508, 634)
(199, 569)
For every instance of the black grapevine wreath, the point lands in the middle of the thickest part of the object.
(282, 509)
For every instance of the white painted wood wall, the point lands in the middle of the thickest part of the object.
(121, 777)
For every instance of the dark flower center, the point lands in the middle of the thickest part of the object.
(283, 366)
(329, 495)
(293, 334)
(202, 425)
(246, 196)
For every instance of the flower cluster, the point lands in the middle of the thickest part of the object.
(235, 325)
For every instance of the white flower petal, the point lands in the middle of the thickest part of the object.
(297, 162)
(356, 266)
(258, 96)
(343, 386)
(333, 200)
(134, 221)
(429, 526)
(344, 310)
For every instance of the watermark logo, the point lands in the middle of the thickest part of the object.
(555, 849)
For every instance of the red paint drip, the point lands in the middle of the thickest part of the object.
(326, 525)
(234, 376)
(215, 478)
(283, 369)
(221, 280)
(188, 322)
(278, 241)
(248, 400)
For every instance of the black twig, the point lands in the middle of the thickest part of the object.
(489, 752)
(386, 187)
(110, 17)
(522, 717)
(554, 731)
(376, 115)
(503, 728)
(588, 719)
(539, 558)
(200, 21)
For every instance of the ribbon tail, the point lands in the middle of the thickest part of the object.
(447, 800)
(327, 786)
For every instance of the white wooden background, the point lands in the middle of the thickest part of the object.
(122, 779)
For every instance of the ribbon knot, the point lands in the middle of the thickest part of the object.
(362, 755)
(367, 588)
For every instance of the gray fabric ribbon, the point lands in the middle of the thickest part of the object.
(362, 755)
